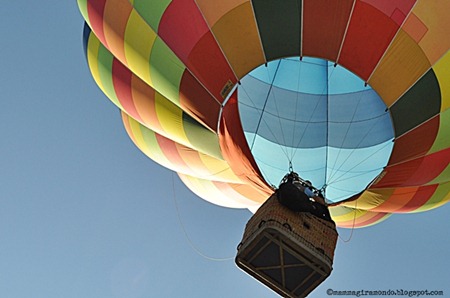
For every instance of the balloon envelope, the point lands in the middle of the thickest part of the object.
(218, 93)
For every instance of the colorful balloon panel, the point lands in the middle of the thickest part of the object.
(237, 35)
(403, 64)
(179, 71)
(279, 27)
(184, 30)
(369, 33)
(224, 194)
(145, 104)
(176, 156)
(324, 22)
(423, 136)
(349, 217)
(403, 199)
(442, 71)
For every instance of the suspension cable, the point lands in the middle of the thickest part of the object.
(265, 103)
(354, 149)
(272, 91)
(296, 105)
(353, 224)
(312, 114)
(325, 89)
(346, 134)
(265, 122)
(191, 244)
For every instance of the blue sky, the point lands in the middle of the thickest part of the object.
(83, 213)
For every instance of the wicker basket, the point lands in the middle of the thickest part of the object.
(275, 236)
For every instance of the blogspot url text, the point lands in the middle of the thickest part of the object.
(400, 292)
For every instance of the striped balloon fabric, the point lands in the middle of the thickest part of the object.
(354, 95)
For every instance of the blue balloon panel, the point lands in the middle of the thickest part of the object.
(321, 118)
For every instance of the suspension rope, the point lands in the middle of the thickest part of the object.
(262, 119)
(328, 129)
(325, 88)
(315, 108)
(359, 143)
(338, 179)
(265, 122)
(353, 225)
(265, 103)
(345, 136)
(296, 105)
(272, 91)
(191, 244)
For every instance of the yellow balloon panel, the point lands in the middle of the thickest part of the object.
(402, 65)
(138, 49)
(170, 118)
(433, 25)
(238, 37)
(442, 71)
(370, 199)
(345, 217)
(93, 46)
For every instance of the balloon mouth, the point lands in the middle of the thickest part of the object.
(317, 116)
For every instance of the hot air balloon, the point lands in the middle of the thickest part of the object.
(353, 95)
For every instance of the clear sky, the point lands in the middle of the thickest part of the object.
(83, 213)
